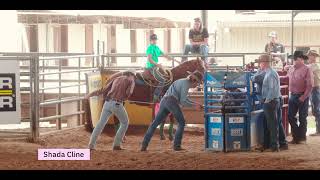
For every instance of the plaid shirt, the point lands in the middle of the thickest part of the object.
(119, 89)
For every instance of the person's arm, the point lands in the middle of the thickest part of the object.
(266, 48)
(101, 90)
(309, 84)
(205, 36)
(184, 100)
(272, 82)
(130, 88)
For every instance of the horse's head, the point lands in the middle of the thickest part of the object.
(192, 65)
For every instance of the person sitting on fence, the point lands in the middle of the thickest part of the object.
(170, 103)
(198, 37)
(153, 52)
(114, 93)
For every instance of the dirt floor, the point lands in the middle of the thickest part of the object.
(19, 154)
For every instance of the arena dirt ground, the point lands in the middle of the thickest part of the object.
(20, 154)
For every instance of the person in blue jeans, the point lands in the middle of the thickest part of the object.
(170, 103)
(198, 37)
(258, 78)
(315, 93)
(271, 97)
(114, 94)
(300, 87)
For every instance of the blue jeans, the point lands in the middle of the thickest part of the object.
(202, 50)
(315, 102)
(109, 108)
(282, 134)
(168, 104)
(271, 116)
(298, 132)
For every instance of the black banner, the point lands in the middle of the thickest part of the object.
(7, 92)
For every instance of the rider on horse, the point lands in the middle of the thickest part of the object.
(153, 52)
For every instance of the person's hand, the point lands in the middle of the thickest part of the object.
(286, 67)
(87, 96)
(301, 99)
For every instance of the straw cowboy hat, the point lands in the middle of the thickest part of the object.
(272, 34)
(264, 58)
(312, 53)
(197, 75)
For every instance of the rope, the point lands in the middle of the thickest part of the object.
(161, 76)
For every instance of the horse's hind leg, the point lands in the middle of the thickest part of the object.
(162, 136)
(171, 127)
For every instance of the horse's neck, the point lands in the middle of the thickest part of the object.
(181, 70)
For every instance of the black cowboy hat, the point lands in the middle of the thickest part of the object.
(298, 54)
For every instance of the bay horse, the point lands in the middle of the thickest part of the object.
(143, 93)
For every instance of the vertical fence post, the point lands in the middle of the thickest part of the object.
(79, 91)
(58, 122)
(34, 87)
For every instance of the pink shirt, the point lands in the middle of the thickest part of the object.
(300, 80)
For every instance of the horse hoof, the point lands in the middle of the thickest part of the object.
(162, 138)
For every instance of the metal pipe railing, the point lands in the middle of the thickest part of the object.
(50, 118)
(63, 100)
(64, 72)
(59, 87)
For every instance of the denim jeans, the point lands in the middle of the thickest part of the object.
(109, 108)
(202, 50)
(298, 131)
(271, 112)
(168, 104)
(315, 102)
(282, 134)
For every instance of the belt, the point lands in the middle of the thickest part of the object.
(274, 99)
(297, 93)
(171, 97)
(118, 101)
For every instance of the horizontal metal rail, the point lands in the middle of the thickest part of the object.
(181, 55)
(64, 72)
(14, 132)
(214, 107)
(42, 54)
(24, 73)
(24, 88)
(66, 57)
(57, 87)
(211, 113)
(236, 114)
(226, 93)
(63, 100)
(56, 67)
(54, 80)
(235, 107)
(50, 118)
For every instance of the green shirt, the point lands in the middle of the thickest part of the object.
(155, 52)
